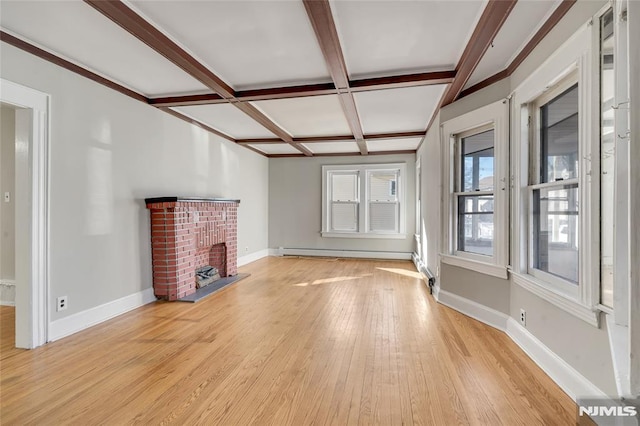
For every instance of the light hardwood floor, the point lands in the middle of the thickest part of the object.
(301, 341)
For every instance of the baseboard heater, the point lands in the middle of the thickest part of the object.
(282, 251)
(422, 268)
(431, 278)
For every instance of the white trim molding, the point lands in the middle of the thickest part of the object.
(359, 254)
(7, 286)
(368, 235)
(82, 320)
(493, 116)
(573, 57)
(572, 306)
(252, 257)
(32, 202)
(475, 310)
(497, 271)
(568, 378)
(564, 375)
(633, 9)
(363, 172)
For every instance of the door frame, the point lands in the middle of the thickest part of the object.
(32, 201)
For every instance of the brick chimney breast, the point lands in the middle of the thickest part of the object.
(188, 233)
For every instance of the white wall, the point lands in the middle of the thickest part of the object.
(295, 204)
(429, 154)
(7, 210)
(7, 184)
(581, 345)
(109, 152)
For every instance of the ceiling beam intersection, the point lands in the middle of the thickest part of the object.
(137, 26)
(319, 12)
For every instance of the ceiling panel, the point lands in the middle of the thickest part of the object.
(249, 44)
(276, 148)
(226, 118)
(392, 37)
(310, 116)
(397, 110)
(522, 24)
(375, 145)
(331, 147)
(76, 31)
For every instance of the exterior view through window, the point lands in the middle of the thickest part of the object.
(555, 194)
(475, 194)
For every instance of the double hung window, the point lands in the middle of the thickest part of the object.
(474, 195)
(554, 185)
(475, 205)
(364, 201)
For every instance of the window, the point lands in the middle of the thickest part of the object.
(383, 205)
(554, 185)
(475, 192)
(363, 201)
(475, 198)
(555, 163)
(344, 201)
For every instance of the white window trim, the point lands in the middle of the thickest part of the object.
(496, 116)
(363, 224)
(574, 54)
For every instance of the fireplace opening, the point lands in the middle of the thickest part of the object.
(206, 275)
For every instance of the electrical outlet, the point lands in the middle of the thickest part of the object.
(62, 303)
(7, 197)
(523, 317)
(246, 249)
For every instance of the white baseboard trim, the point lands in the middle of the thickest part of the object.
(418, 263)
(436, 293)
(11, 291)
(571, 381)
(344, 253)
(275, 252)
(489, 316)
(85, 319)
(244, 260)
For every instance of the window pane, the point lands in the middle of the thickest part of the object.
(477, 162)
(607, 158)
(344, 187)
(383, 186)
(344, 217)
(559, 137)
(383, 216)
(555, 231)
(475, 224)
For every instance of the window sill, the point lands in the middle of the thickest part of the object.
(474, 265)
(363, 235)
(571, 306)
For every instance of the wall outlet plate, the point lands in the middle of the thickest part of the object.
(62, 303)
(7, 197)
(523, 317)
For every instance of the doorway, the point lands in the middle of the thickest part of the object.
(30, 111)
(7, 227)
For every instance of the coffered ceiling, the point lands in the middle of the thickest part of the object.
(294, 77)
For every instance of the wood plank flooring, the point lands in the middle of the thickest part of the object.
(301, 341)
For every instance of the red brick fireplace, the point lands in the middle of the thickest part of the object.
(186, 234)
